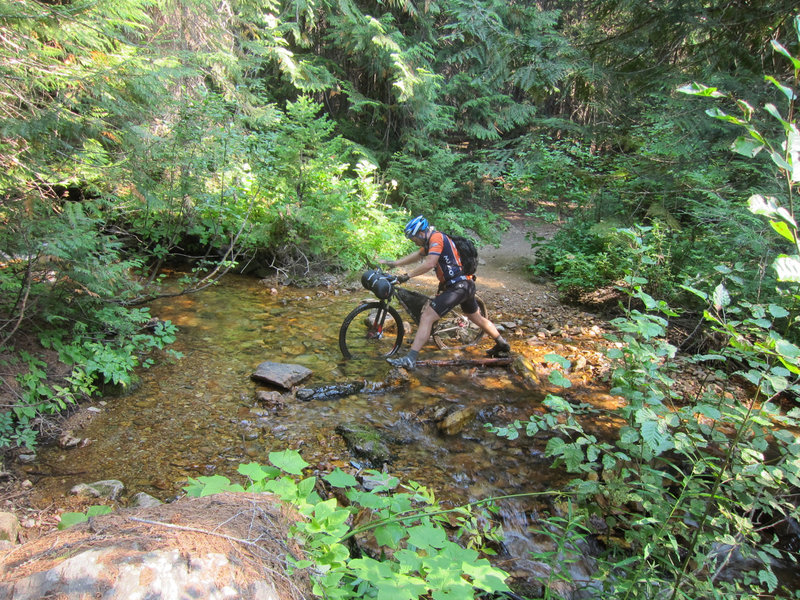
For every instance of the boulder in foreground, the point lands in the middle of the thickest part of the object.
(220, 546)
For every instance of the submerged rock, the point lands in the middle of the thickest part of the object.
(67, 440)
(108, 488)
(271, 400)
(143, 500)
(457, 420)
(365, 442)
(334, 391)
(331, 392)
(530, 372)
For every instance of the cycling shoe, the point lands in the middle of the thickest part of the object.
(403, 361)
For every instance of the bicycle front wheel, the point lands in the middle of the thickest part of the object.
(371, 330)
(455, 330)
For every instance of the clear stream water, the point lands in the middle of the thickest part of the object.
(198, 415)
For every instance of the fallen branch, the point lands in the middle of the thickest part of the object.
(195, 530)
(467, 362)
(340, 390)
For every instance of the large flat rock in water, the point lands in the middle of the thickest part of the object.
(281, 374)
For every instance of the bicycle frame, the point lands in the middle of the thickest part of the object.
(413, 302)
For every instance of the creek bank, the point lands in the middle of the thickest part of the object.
(534, 324)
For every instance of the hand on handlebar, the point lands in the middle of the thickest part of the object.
(403, 278)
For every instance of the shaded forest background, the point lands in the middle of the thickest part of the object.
(223, 134)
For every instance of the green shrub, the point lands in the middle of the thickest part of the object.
(693, 485)
(67, 285)
(421, 557)
(685, 483)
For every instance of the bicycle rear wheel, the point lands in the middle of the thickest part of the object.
(455, 330)
(371, 330)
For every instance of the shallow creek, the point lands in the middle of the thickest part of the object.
(191, 415)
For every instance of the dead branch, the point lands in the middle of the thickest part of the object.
(21, 303)
(467, 362)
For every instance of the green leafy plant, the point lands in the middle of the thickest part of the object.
(68, 519)
(686, 483)
(419, 557)
(110, 360)
(692, 485)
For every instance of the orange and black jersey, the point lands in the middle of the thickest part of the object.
(448, 267)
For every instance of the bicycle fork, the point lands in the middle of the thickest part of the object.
(375, 329)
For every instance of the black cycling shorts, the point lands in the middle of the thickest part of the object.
(462, 293)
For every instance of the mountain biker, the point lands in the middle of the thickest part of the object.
(437, 251)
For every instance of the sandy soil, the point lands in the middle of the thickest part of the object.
(503, 275)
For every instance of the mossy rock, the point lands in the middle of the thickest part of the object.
(117, 390)
(365, 442)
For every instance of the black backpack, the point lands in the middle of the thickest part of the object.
(467, 252)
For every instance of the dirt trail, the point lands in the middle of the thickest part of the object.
(503, 273)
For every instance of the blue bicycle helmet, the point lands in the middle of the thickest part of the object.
(415, 225)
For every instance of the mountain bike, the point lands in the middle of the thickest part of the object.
(375, 328)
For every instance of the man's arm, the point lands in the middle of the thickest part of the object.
(425, 266)
(406, 260)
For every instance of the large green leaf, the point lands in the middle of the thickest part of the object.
(557, 378)
(785, 90)
(655, 437)
(699, 89)
(257, 472)
(288, 461)
(486, 577)
(783, 230)
(770, 208)
(788, 268)
(747, 146)
(426, 536)
(216, 484)
(557, 358)
(778, 47)
(68, 519)
(721, 297)
(340, 479)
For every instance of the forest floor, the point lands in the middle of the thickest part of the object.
(504, 280)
